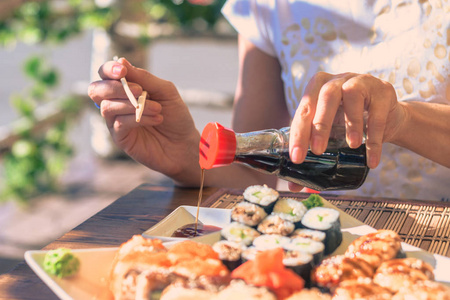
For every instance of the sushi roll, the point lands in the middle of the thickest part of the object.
(238, 289)
(229, 253)
(316, 235)
(325, 220)
(261, 195)
(270, 241)
(248, 213)
(250, 253)
(290, 209)
(316, 249)
(239, 233)
(424, 289)
(301, 263)
(273, 224)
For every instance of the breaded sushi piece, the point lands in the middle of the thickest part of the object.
(397, 273)
(423, 290)
(362, 288)
(376, 247)
(238, 289)
(337, 269)
(261, 195)
(309, 294)
(248, 213)
(274, 224)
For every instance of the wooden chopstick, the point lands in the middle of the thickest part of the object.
(141, 106)
(127, 89)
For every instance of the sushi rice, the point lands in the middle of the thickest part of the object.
(289, 209)
(239, 233)
(261, 195)
(270, 241)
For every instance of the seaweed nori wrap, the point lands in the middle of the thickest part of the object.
(229, 253)
(326, 220)
(301, 263)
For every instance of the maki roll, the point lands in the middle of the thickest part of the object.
(316, 249)
(239, 233)
(261, 195)
(326, 220)
(274, 224)
(301, 263)
(290, 209)
(229, 253)
(250, 253)
(316, 235)
(270, 241)
(248, 213)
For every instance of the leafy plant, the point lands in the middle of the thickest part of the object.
(38, 157)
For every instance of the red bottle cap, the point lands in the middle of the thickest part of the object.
(217, 146)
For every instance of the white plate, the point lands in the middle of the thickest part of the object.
(186, 214)
(91, 283)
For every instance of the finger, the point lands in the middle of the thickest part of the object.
(149, 82)
(354, 95)
(111, 89)
(112, 70)
(328, 102)
(111, 110)
(379, 109)
(300, 132)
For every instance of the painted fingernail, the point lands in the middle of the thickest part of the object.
(117, 69)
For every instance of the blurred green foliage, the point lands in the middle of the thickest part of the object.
(37, 159)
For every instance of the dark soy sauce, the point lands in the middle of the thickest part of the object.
(344, 168)
(196, 229)
(192, 230)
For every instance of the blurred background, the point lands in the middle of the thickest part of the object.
(58, 165)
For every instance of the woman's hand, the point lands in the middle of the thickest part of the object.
(165, 139)
(356, 95)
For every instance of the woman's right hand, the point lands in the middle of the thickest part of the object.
(165, 139)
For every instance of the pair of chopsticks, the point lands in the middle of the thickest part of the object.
(139, 104)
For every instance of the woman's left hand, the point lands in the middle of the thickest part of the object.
(357, 94)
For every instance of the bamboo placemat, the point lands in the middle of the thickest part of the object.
(424, 224)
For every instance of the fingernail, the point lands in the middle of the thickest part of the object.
(296, 155)
(373, 162)
(354, 139)
(117, 69)
(317, 143)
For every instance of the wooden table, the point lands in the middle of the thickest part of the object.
(146, 205)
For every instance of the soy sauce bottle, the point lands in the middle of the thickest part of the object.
(338, 168)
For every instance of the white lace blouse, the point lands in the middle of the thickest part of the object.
(406, 43)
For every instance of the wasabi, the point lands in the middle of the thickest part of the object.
(61, 262)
